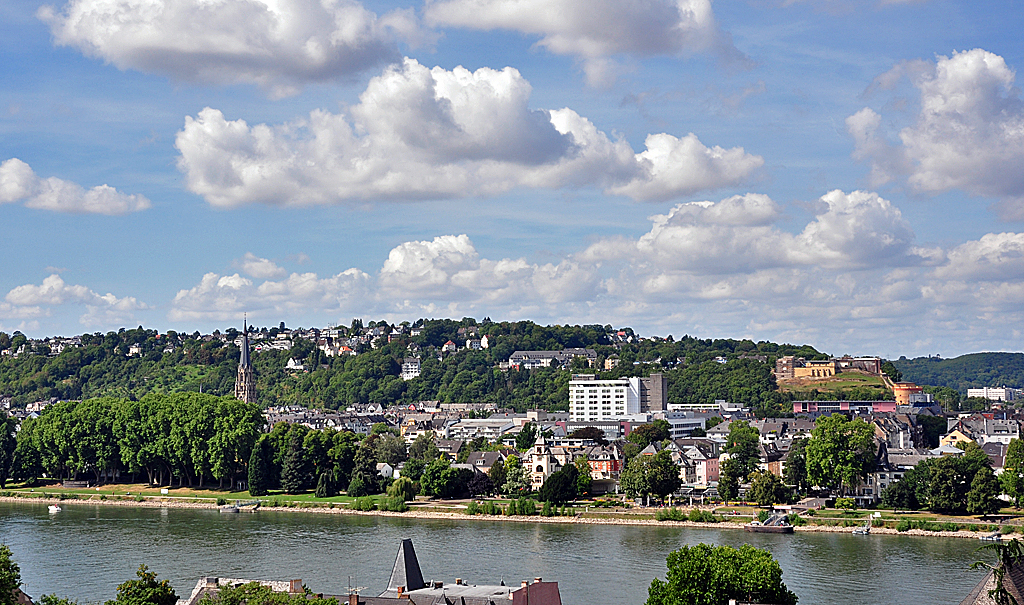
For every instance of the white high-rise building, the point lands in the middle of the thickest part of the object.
(594, 400)
(995, 394)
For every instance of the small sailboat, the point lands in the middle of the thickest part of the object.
(53, 508)
(995, 536)
(863, 530)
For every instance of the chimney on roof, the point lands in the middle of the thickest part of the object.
(458, 581)
(211, 582)
(353, 599)
(524, 584)
(295, 587)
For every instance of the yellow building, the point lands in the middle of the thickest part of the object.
(815, 369)
(956, 436)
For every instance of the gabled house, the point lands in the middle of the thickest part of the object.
(485, 460)
(450, 447)
(605, 467)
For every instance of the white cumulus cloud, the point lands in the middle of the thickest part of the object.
(19, 183)
(420, 133)
(968, 134)
(100, 309)
(594, 30)
(737, 236)
(277, 44)
(224, 297)
(260, 268)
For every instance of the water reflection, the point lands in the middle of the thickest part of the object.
(86, 550)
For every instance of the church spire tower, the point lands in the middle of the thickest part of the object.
(245, 387)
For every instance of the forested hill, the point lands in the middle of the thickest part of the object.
(972, 371)
(698, 370)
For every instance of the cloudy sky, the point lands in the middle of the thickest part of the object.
(844, 173)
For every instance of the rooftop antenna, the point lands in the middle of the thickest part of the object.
(354, 589)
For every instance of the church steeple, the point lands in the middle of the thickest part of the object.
(245, 387)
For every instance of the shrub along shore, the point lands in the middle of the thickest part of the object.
(724, 518)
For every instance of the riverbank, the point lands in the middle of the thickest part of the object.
(581, 519)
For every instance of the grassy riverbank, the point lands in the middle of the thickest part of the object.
(589, 511)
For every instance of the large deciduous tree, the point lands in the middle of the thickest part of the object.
(8, 445)
(983, 497)
(441, 480)
(527, 437)
(646, 434)
(10, 576)
(796, 466)
(840, 452)
(584, 478)
(742, 445)
(714, 575)
(1012, 478)
(767, 489)
(560, 487)
(145, 591)
(646, 476)
(516, 481)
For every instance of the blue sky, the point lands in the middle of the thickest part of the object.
(843, 173)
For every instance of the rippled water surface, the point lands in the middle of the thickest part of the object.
(84, 551)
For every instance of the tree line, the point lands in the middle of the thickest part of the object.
(188, 437)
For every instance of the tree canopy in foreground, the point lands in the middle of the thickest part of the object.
(711, 575)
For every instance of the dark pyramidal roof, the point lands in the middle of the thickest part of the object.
(407, 569)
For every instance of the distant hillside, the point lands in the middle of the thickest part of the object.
(967, 371)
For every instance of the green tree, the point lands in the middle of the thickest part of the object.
(1012, 478)
(560, 487)
(646, 434)
(295, 472)
(365, 477)
(497, 475)
(796, 466)
(589, 432)
(729, 480)
(516, 481)
(767, 490)
(1008, 555)
(983, 498)
(527, 437)
(890, 370)
(424, 448)
(413, 469)
(713, 575)
(951, 479)
(255, 593)
(10, 576)
(840, 452)
(391, 449)
(325, 486)
(901, 495)
(655, 475)
(664, 474)
(403, 488)
(440, 479)
(8, 445)
(742, 444)
(144, 591)
(260, 462)
(584, 478)
(635, 480)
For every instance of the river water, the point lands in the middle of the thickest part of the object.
(84, 551)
